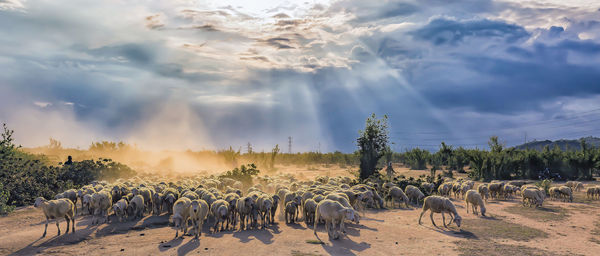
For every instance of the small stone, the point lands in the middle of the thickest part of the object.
(205, 248)
(122, 250)
(142, 234)
(396, 242)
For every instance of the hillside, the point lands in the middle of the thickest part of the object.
(562, 144)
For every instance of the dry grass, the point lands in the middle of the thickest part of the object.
(314, 241)
(596, 232)
(481, 232)
(493, 227)
(471, 247)
(299, 253)
(545, 213)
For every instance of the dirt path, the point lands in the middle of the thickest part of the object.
(381, 232)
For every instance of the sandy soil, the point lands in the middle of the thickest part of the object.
(381, 232)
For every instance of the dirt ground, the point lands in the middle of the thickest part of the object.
(556, 229)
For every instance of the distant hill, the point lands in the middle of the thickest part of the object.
(562, 144)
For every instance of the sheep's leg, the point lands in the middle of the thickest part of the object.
(45, 228)
(73, 224)
(444, 220)
(421, 216)
(57, 227)
(68, 222)
(431, 217)
(467, 206)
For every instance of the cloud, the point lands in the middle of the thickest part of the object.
(446, 31)
(212, 75)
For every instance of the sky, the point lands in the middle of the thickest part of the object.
(213, 74)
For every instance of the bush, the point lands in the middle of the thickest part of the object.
(242, 174)
(4, 207)
(544, 184)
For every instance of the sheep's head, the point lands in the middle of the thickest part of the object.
(195, 206)
(482, 211)
(39, 201)
(458, 219)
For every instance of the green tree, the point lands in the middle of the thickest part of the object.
(372, 143)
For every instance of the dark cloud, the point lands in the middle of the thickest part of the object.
(445, 31)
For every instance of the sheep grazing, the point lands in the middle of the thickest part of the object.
(483, 191)
(332, 212)
(55, 209)
(101, 203)
(495, 189)
(198, 212)
(475, 200)
(593, 192)
(428, 187)
(439, 204)
(120, 209)
(290, 211)
(396, 194)
(220, 210)
(414, 194)
(181, 214)
(532, 197)
(566, 193)
(554, 193)
(136, 206)
(578, 186)
(444, 189)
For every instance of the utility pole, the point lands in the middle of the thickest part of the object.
(249, 148)
(289, 144)
(526, 146)
(319, 148)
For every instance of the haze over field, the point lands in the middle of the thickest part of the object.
(196, 74)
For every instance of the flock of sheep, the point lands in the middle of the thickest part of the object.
(331, 201)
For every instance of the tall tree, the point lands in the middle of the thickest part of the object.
(372, 144)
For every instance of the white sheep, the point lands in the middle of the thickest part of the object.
(396, 194)
(181, 214)
(265, 203)
(220, 210)
(413, 193)
(566, 192)
(136, 207)
(290, 211)
(439, 204)
(475, 200)
(101, 203)
(198, 212)
(332, 212)
(310, 206)
(244, 209)
(483, 191)
(531, 196)
(120, 208)
(55, 209)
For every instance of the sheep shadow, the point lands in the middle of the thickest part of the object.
(295, 225)
(263, 236)
(188, 247)
(344, 246)
(461, 233)
(165, 246)
(70, 238)
(115, 227)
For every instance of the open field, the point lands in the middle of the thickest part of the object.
(557, 228)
